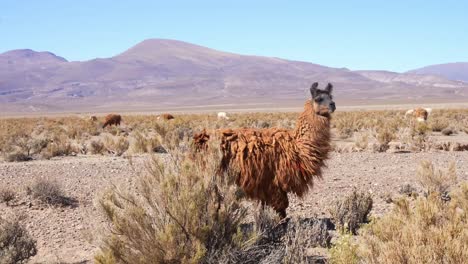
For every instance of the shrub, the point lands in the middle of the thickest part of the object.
(16, 245)
(16, 156)
(7, 195)
(59, 146)
(181, 213)
(384, 137)
(50, 192)
(352, 211)
(408, 190)
(301, 235)
(438, 124)
(361, 142)
(431, 231)
(116, 145)
(448, 131)
(96, 147)
(344, 251)
(435, 180)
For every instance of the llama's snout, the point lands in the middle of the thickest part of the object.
(332, 107)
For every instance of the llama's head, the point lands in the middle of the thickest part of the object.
(322, 100)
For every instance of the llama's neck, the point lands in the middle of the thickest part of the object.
(313, 128)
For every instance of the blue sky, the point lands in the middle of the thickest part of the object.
(389, 35)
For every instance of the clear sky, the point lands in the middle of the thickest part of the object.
(392, 35)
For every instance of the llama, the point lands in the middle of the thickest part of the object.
(93, 118)
(165, 117)
(112, 119)
(273, 162)
(420, 114)
(223, 115)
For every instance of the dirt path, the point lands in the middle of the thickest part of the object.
(63, 234)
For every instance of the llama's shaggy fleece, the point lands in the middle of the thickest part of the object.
(165, 117)
(112, 119)
(272, 162)
(420, 114)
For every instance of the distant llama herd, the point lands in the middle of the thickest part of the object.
(273, 162)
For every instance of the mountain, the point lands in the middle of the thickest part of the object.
(452, 71)
(160, 74)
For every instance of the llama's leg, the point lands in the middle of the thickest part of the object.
(279, 201)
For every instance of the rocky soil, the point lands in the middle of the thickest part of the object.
(65, 234)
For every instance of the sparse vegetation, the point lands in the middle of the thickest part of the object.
(435, 180)
(7, 195)
(351, 212)
(16, 245)
(181, 210)
(50, 192)
(437, 223)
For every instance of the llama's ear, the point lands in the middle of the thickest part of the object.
(313, 89)
(329, 88)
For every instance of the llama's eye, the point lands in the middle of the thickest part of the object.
(319, 100)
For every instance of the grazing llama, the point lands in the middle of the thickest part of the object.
(420, 114)
(165, 117)
(273, 162)
(112, 119)
(223, 115)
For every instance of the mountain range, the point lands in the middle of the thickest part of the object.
(160, 74)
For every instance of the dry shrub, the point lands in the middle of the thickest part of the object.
(16, 245)
(59, 146)
(431, 231)
(352, 211)
(438, 124)
(436, 180)
(21, 147)
(448, 131)
(96, 147)
(408, 190)
(180, 212)
(384, 137)
(361, 142)
(116, 145)
(7, 195)
(16, 156)
(344, 251)
(302, 235)
(142, 144)
(50, 192)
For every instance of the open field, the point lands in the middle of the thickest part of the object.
(374, 151)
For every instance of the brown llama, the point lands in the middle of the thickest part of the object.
(112, 119)
(420, 114)
(165, 116)
(273, 162)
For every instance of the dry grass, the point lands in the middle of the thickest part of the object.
(23, 139)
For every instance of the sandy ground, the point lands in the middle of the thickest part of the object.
(64, 234)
